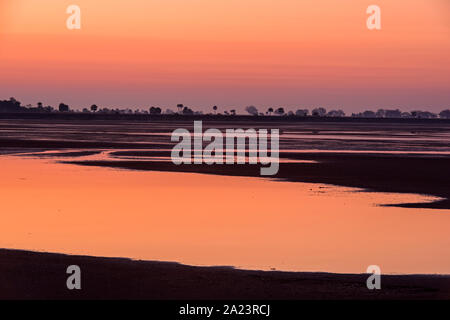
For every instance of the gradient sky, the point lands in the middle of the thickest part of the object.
(230, 53)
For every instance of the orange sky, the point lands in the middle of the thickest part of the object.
(287, 53)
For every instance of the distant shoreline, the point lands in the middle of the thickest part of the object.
(206, 117)
(35, 275)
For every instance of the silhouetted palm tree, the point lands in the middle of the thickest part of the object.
(94, 108)
(215, 109)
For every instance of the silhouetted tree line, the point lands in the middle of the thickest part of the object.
(380, 113)
(14, 106)
(417, 114)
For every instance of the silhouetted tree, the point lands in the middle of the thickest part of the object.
(63, 107)
(302, 112)
(13, 102)
(94, 108)
(155, 110)
(445, 114)
(233, 112)
(215, 109)
(270, 111)
(252, 110)
(369, 114)
(406, 115)
(180, 107)
(187, 111)
(336, 113)
(279, 111)
(381, 113)
(393, 113)
(11, 105)
(423, 114)
(319, 112)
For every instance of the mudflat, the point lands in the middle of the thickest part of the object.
(32, 275)
(384, 156)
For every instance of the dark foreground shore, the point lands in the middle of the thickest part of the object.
(31, 275)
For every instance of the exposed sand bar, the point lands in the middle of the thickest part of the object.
(30, 275)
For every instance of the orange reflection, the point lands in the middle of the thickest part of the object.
(216, 220)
